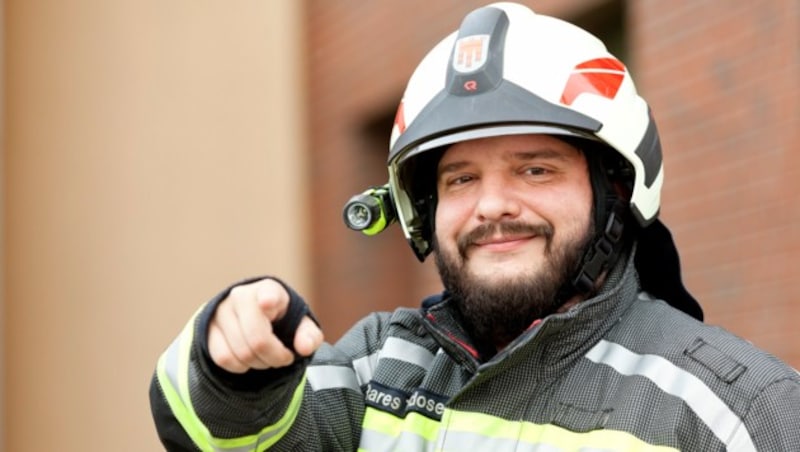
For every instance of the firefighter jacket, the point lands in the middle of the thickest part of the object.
(621, 371)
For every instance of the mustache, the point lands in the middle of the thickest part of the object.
(487, 230)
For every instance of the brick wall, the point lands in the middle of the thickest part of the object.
(721, 77)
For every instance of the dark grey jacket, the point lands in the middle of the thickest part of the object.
(620, 371)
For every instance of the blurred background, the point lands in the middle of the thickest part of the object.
(155, 152)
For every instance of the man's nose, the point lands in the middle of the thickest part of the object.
(497, 201)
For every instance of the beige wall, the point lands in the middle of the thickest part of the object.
(153, 154)
(2, 225)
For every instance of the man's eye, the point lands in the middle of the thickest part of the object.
(460, 180)
(536, 171)
(456, 180)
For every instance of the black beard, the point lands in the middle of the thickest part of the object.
(495, 313)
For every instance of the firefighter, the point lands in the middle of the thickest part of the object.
(524, 160)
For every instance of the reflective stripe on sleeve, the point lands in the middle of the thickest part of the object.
(173, 377)
(673, 380)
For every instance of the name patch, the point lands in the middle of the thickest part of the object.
(400, 403)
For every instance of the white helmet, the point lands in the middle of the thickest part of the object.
(507, 70)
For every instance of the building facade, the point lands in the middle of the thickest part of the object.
(154, 152)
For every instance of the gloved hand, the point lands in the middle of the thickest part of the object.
(241, 334)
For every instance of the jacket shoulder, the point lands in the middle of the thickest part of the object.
(718, 357)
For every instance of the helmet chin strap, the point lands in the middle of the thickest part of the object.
(611, 217)
(602, 252)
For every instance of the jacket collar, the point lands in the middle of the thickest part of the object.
(551, 340)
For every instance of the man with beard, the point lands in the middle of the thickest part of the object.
(533, 172)
(499, 201)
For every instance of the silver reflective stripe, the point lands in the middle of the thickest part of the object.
(404, 350)
(249, 448)
(466, 441)
(327, 377)
(174, 367)
(246, 448)
(172, 362)
(373, 441)
(332, 377)
(595, 449)
(365, 367)
(723, 422)
(395, 348)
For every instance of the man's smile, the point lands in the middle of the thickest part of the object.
(501, 243)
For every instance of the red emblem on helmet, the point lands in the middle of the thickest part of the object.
(470, 53)
(400, 118)
(601, 76)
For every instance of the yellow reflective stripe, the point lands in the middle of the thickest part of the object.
(173, 376)
(270, 435)
(460, 431)
(393, 431)
(391, 425)
(464, 428)
(173, 370)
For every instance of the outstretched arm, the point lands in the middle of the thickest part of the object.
(231, 379)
